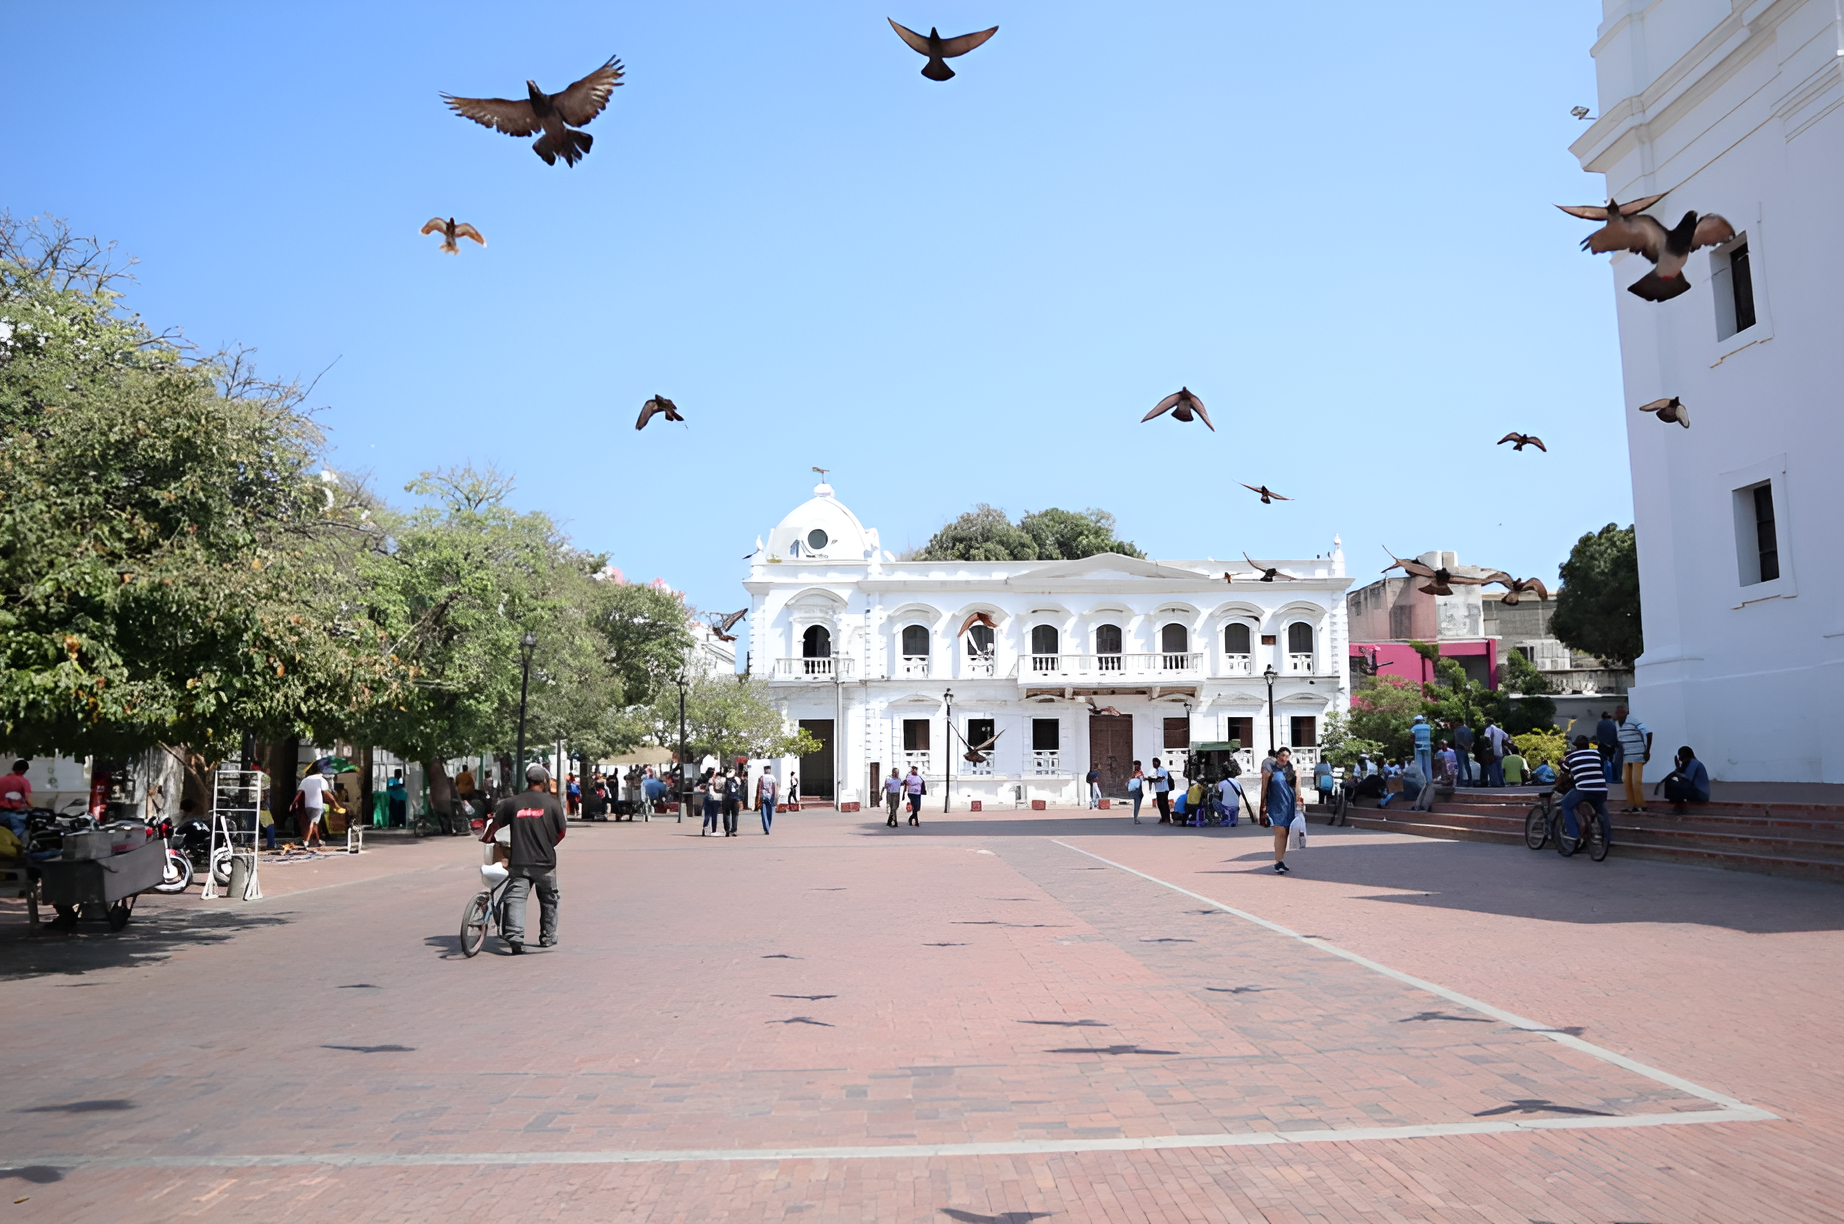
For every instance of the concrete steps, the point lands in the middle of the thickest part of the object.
(1802, 840)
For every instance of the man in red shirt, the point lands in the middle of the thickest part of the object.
(15, 797)
(536, 818)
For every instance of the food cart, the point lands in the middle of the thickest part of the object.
(104, 887)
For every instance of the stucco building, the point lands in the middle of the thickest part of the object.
(1733, 107)
(1057, 664)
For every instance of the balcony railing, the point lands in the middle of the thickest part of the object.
(1046, 762)
(919, 759)
(1301, 664)
(1237, 665)
(813, 669)
(1113, 666)
(977, 666)
(975, 769)
(913, 665)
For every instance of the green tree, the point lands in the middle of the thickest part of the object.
(727, 717)
(985, 534)
(1382, 711)
(1339, 746)
(1597, 609)
(1520, 675)
(159, 525)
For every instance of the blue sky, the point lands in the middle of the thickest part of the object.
(1333, 222)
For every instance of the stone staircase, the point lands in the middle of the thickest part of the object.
(1791, 839)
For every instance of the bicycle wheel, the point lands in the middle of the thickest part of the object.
(474, 925)
(1566, 845)
(1597, 839)
(178, 875)
(1536, 826)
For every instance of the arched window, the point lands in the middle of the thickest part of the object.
(1236, 639)
(1299, 638)
(979, 640)
(1107, 647)
(915, 639)
(816, 643)
(1174, 640)
(1043, 640)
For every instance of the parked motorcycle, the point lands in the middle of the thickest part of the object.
(190, 839)
(179, 871)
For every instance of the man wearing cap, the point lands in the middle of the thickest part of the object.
(1424, 746)
(536, 818)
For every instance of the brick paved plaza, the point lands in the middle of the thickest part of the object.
(998, 1017)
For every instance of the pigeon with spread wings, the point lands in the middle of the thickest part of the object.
(1440, 578)
(1628, 229)
(938, 49)
(721, 625)
(1268, 496)
(1670, 411)
(556, 115)
(1183, 405)
(1517, 588)
(654, 407)
(1520, 441)
(979, 754)
(1268, 572)
(451, 230)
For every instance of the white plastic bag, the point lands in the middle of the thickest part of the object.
(1296, 833)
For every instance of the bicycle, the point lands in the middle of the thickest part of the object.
(485, 908)
(1544, 823)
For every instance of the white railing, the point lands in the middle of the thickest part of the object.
(976, 769)
(1237, 665)
(1161, 663)
(1304, 758)
(913, 665)
(974, 666)
(1301, 663)
(1046, 762)
(812, 669)
(918, 759)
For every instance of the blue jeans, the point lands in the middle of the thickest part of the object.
(1466, 764)
(1576, 797)
(513, 927)
(1495, 774)
(1424, 757)
(1137, 796)
(768, 814)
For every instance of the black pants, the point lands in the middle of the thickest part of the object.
(1163, 801)
(915, 808)
(730, 806)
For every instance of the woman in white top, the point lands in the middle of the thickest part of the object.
(1136, 790)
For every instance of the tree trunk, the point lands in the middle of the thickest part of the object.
(367, 765)
(441, 789)
(195, 784)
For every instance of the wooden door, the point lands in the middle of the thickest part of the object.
(1110, 750)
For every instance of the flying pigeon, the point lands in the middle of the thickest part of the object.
(1627, 229)
(655, 406)
(978, 618)
(1669, 411)
(1520, 441)
(978, 753)
(939, 49)
(555, 114)
(1181, 404)
(1440, 579)
(451, 230)
(724, 623)
(1268, 572)
(1268, 496)
(1517, 588)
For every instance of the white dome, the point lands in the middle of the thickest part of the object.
(822, 527)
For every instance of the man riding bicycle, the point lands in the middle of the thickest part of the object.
(1588, 784)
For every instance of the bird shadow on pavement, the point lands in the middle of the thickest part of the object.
(153, 934)
(1004, 1217)
(111, 1105)
(38, 1175)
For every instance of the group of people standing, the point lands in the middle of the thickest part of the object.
(1277, 804)
(722, 796)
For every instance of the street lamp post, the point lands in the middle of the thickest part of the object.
(684, 790)
(947, 791)
(1269, 677)
(527, 644)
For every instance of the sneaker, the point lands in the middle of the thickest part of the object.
(1281, 869)
(518, 949)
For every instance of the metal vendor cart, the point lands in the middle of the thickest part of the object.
(101, 887)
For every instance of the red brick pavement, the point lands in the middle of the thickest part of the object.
(970, 982)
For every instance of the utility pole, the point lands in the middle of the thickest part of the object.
(527, 644)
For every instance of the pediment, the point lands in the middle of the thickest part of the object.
(1103, 567)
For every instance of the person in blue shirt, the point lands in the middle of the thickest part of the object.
(1424, 746)
(1688, 783)
(1277, 804)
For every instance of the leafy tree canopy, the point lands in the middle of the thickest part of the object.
(727, 717)
(985, 534)
(1597, 609)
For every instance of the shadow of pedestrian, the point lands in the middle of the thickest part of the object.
(38, 1175)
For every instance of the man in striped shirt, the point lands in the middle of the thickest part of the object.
(1588, 785)
(1635, 755)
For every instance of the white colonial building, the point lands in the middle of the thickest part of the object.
(1734, 107)
(1060, 665)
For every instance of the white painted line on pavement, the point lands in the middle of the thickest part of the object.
(1734, 1110)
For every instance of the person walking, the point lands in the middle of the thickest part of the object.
(1094, 788)
(1495, 739)
(573, 794)
(1463, 753)
(706, 791)
(1278, 807)
(399, 796)
(765, 799)
(1587, 784)
(1635, 754)
(1424, 745)
(537, 821)
(915, 788)
(730, 789)
(893, 795)
(311, 801)
(1162, 791)
(1607, 742)
(1136, 790)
